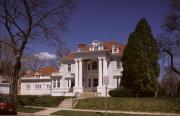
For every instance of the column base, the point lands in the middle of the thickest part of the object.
(78, 89)
(102, 91)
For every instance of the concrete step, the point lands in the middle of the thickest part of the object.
(66, 103)
(85, 95)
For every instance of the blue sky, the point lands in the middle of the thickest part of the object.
(107, 20)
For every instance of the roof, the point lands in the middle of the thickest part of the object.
(45, 71)
(107, 46)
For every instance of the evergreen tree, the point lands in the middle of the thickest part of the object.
(140, 61)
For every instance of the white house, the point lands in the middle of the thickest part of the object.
(86, 69)
(37, 83)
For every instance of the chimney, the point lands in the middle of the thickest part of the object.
(81, 46)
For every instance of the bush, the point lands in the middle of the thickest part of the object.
(120, 92)
(44, 101)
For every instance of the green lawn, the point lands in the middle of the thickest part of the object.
(132, 104)
(79, 113)
(28, 109)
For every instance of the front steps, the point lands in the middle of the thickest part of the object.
(85, 95)
(66, 103)
(70, 103)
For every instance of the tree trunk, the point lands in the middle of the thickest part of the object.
(15, 80)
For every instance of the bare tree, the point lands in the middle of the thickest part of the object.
(169, 43)
(170, 81)
(62, 51)
(26, 20)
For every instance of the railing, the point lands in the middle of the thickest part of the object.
(75, 99)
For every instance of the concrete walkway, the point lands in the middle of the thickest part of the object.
(48, 111)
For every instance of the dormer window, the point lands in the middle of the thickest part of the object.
(37, 76)
(95, 48)
(115, 49)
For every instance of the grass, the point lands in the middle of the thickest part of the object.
(81, 113)
(132, 104)
(28, 109)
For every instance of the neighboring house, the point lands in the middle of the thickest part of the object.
(37, 83)
(88, 68)
(4, 86)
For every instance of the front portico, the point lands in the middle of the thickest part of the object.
(90, 69)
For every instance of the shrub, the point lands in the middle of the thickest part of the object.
(120, 92)
(44, 101)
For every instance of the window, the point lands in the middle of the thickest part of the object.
(118, 64)
(58, 83)
(89, 82)
(38, 86)
(89, 66)
(95, 48)
(94, 65)
(37, 76)
(27, 86)
(48, 86)
(114, 49)
(95, 82)
(54, 83)
(69, 67)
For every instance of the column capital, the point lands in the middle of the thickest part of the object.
(78, 59)
(99, 58)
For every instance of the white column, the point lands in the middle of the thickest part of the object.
(80, 72)
(69, 83)
(76, 73)
(100, 72)
(105, 66)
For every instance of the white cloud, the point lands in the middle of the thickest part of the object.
(45, 56)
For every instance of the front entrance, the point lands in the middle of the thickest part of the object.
(92, 85)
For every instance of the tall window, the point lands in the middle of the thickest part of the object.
(95, 82)
(94, 65)
(54, 83)
(69, 67)
(89, 66)
(118, 64)
(89, 82)
(58, 83)
(28, 86)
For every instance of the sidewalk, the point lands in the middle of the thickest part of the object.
(48, 111)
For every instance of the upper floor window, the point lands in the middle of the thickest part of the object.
(114, 49)
(94, 65)
(95, 48)
(37, 76)
(69, 67)
(118, 64)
